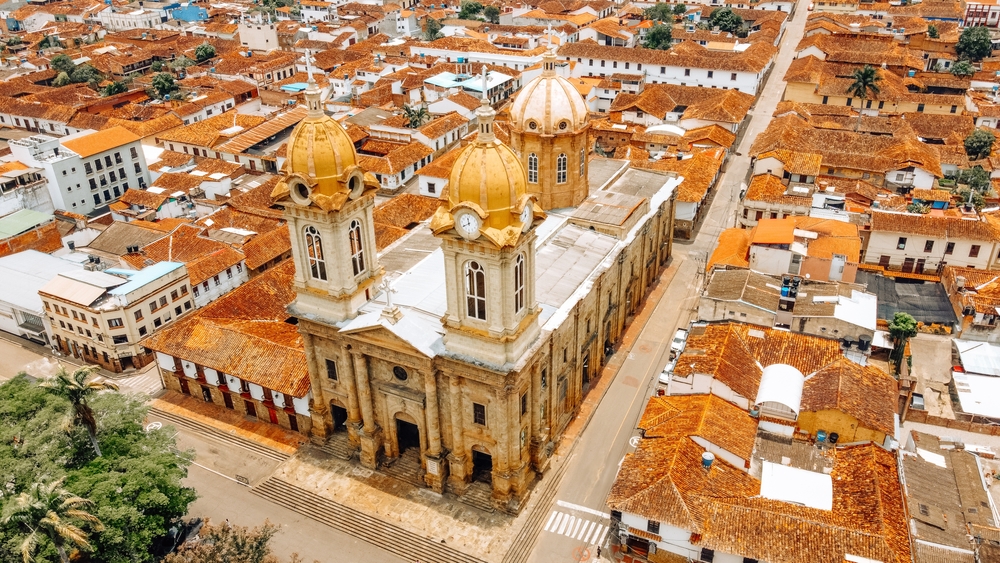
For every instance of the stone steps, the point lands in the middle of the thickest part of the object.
(216, 434)
(478, 495)
(391, 538)
(339, 446)
(406, 468)
(520, 550)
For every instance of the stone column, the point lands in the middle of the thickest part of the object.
(436, 466)
(456, 462)
(535, 400)
(353, 410)
(371, 434)
(322, 423)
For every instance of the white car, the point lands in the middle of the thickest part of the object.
(680, 340)
(668, 371)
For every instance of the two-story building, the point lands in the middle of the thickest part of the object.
(914, 243)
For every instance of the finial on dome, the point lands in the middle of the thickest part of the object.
(549, 58)
(312, 93)
(485, 115)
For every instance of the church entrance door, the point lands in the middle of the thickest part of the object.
(482, 467)
(339, 418)
(407, 435)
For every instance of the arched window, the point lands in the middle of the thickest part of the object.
(314, 248)
(357, 248)
(475, 290)
(519, 283)
(583, 161)
(561, 169)
(532, 168)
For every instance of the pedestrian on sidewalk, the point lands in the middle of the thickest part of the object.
(598, 552)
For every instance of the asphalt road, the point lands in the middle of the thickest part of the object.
(579, 506)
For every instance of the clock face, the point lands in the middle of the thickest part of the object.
(468, 224)
(527, 214)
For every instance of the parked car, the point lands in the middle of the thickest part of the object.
(668, 370)
(679, 342)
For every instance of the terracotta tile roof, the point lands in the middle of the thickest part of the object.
(940, 227)
(263, 248)
(244, 334)
(399, 159)
(209, 132)
(699, 172)
(441, 167)
(754, 59)
(731, 106)
(257, 200)
(931, 195)
(733, 250)
(847, 149)
(707, 416)
(664, 481)
(729, 353)
(767, 188)
(395, 216)
(52, 112)
(144, 198)
(863, 392)
(208, 265)
(444, 124)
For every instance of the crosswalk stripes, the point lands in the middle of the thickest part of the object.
(577, 528)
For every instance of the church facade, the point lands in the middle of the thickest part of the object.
(470, 344)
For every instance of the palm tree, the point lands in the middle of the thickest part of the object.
(865, 82)
(49, 510)
(416, 116)
(77, 389)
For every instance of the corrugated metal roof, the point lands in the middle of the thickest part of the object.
(82, 288)
(21, 221)
(144, 276)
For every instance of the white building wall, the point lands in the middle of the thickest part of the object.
(301, 405)
(886, 244)
(229, 279)
(427, 182)
(769, 260)
(709, 78)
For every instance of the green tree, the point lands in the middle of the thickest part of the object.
(492, 14)
(659, 12)
(85, 73)
(181, 62)
(79, 389)
(979, 144)
(50, 511)
(865, 83)
(416, 116)
(726, 20)
(932, 31)
(974, 197)
(976, 178)
(680, 9)
(204, 52)
(116, 87)
(157, 66)
(470, 10)
(659, 37)
(62, 63)
(61, 80)
(164, 84)
(902, 327)
(432, 29)
(14, 41)
(136, 486)
(974, 44)
(963, 68)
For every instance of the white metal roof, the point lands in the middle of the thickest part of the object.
(979, 357)
(782, 384)
(978, 394)
(797, 486)
(26, 272)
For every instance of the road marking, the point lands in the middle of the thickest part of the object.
(551, 518)
(562, 527)
(572, 506)
(576, 528)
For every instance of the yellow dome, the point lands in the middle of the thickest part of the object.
(549, 104)
(491, 176)
(320, 149)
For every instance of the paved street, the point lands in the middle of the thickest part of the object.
(596, 456)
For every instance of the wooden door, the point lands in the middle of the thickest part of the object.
(184, 385)
(908, 265)
(883, 261)
(920, 266)
(251, 409)
(228, 399)
(273, 415)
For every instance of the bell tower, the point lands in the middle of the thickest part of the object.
(328, 201)
(487, 225)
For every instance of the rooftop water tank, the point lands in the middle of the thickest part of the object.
(706, 459)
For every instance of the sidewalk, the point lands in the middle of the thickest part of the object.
(229, 422)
